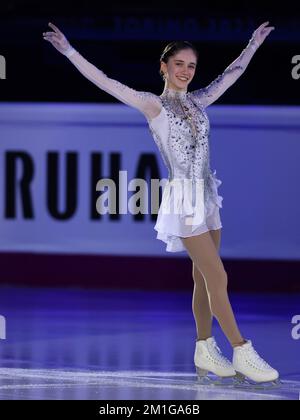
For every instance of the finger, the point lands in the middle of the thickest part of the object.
(262, 26)
(55, 28)
(51, 39)
(269, 28)
(54, 37)
(268, 31)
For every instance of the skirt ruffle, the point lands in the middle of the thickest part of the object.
(171, 227)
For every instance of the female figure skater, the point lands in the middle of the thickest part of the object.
(179, 124)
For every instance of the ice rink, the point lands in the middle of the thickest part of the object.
(88, 344)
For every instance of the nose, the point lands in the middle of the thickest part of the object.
(186, 72)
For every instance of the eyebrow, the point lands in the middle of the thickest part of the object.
(183, 61)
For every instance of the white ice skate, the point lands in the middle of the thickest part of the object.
(252, 370)
(209, 359)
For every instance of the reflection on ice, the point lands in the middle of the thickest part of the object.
(109, 385)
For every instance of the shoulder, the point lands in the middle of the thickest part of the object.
(198, 97)
(153, 105)
(148, 96)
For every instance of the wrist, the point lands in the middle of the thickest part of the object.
(69, 51)
(253, 44)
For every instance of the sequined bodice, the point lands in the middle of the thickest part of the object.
(182, 136)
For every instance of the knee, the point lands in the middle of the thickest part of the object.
(197, 277)
(223, 280)
(218, 283)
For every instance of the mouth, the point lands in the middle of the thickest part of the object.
(182, 79)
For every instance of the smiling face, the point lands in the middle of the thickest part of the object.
(180, 69)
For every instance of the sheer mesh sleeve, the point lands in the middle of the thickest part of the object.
(206, 96)
(146, 102)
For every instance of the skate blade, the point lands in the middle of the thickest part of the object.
(241, 381)
(209, 379)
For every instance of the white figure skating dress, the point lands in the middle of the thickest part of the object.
(180, 127)
(181, 132)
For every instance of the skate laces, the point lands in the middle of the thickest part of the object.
(255, 357)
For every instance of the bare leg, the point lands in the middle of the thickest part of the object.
(200, 303)
(203, 252)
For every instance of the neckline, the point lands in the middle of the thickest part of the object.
(172, 93)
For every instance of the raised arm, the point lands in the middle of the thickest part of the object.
(206, 96)
(146, 102)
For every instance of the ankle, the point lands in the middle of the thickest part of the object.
(239, 344)
(203, 338)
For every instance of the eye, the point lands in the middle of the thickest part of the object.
(191, 66)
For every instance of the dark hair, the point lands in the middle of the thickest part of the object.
(173, 48)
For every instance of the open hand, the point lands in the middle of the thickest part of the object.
(261, 33)
(57, 39)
